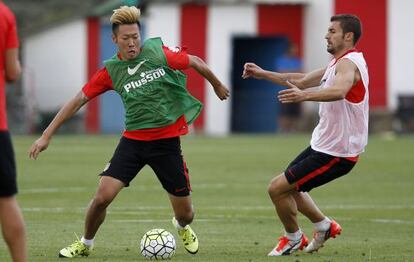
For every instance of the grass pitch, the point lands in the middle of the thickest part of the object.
(235, 220)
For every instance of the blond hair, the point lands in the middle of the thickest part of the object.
(125, 15)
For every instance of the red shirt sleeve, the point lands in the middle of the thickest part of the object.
(98, 84)
(177, 58)
(12, 40)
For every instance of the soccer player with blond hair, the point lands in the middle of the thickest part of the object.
(158, 110)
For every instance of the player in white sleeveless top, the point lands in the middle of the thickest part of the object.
(339, 138)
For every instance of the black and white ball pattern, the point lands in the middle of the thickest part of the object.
(158, 244)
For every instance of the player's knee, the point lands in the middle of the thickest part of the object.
(274, 189)
(101, 201)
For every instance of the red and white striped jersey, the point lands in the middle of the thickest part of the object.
(343, 125)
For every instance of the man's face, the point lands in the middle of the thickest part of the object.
(128, 40)
(335, 38)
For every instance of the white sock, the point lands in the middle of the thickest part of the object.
(88, 242)
(323, 225)
(178, 226)
(294, 236)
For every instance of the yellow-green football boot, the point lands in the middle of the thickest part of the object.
(77, 249)
(188, 236)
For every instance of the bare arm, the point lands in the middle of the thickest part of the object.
(12, 65)
(345, 77)
(201, 67)
(300, 80)
(65, 113)
(310, 79)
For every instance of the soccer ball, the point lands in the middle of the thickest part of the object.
(158, 244)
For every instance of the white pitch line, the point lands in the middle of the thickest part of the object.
(330, 207)
(139, 220)
(206, 219)
(239, 218)
(392, 221)
(134, 188)
(139, 209)
(53, 209)
(379, 206)
(142, 188)
(160, 220)
(52, 190)
(270, 207)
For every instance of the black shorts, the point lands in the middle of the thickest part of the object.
(312, 169)
(163, 156)
(8, 186)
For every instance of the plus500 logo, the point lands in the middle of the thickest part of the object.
(146, 77)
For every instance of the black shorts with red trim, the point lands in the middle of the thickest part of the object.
(312, 169)
(8, 185)
(163, 156)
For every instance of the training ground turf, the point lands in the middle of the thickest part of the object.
(235, 220)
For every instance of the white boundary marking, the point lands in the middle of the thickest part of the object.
(52, 190)
(210, 218)
(135, 188)
(392, 221)
(241, 208)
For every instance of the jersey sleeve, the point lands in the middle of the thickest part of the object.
(98, 84)
(177, 58)
(12, 40)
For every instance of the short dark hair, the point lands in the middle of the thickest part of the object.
(349, 23)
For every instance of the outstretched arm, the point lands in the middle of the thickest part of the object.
(300, 80)
(201, 67)
(345, 76)
(65, 113)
